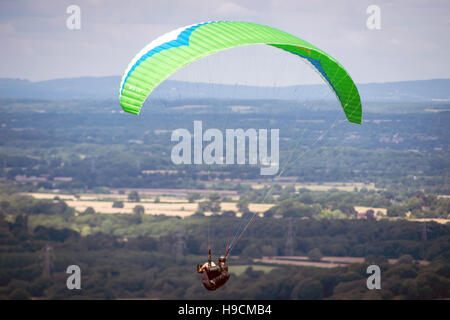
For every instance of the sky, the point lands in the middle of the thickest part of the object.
(411, 44)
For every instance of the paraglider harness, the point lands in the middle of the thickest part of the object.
(214, 277)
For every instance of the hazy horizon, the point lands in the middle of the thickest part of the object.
(410, 45)
(214, 83)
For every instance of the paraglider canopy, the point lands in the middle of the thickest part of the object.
(174, 50)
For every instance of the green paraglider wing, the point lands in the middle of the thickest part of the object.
(174, 50)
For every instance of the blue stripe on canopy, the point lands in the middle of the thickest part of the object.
(181, 40)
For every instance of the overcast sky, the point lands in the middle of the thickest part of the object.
(412, 44)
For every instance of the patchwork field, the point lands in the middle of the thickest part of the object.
(240, 269)
(172, 205)
(314, 186)
(167, 205)
(325, 262)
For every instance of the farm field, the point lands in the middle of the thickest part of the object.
(172, 192)
(300, 263)
(240, 269)
(341, 186)
(167, 205)
(361, 209)
(325, 262)
(174, 205)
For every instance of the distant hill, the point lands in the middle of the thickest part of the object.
(108, 88)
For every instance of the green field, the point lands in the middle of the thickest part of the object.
(238, 270)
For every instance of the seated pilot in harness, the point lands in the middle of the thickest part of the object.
(213, 277)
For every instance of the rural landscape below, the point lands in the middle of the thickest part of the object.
(85, 184)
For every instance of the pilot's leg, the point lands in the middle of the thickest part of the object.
(205, 280)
